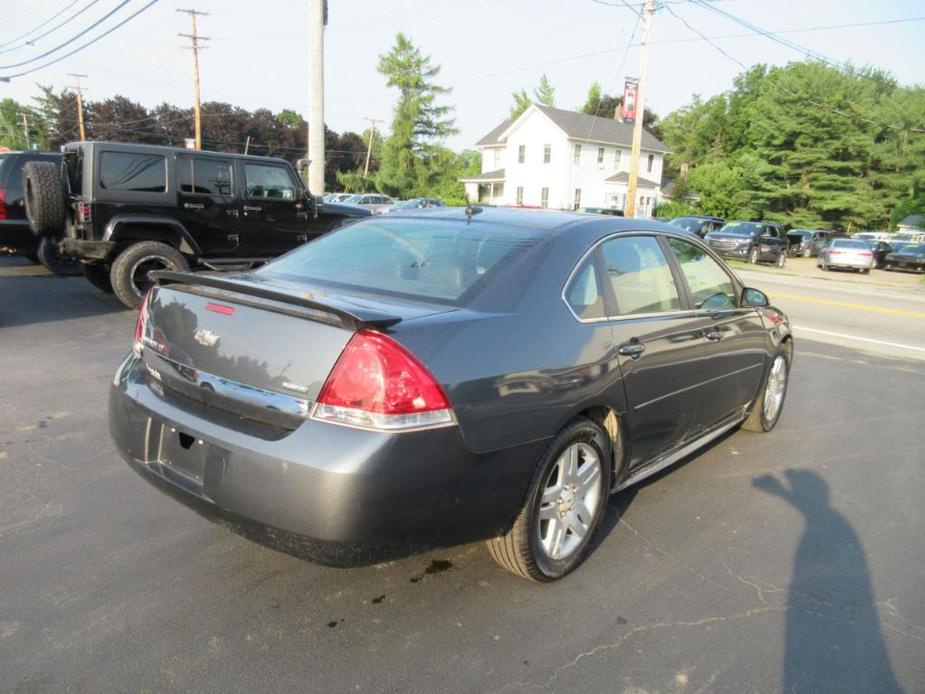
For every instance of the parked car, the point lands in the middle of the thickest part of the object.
(822, 238)
(336, 197)
(375, 203)
(127, 209)
(881, 249)
(807, 243)
(446, 376)
(698, 224)
(15, 231)
(851, 254)
(414, 204)
(756, 242)
(872, 235)
(911, 257)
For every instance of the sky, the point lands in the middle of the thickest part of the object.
(258, 50)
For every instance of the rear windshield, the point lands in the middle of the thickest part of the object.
(850, 243)
(435, 260)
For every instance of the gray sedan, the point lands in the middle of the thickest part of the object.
(427, 379)
(850, 254)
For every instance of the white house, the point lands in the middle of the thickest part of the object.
(548, 157)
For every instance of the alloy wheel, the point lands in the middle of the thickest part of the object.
(571, 495)
(775, 388)
(140, 270)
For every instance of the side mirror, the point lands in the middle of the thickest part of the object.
(754, 297)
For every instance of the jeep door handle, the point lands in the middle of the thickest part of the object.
(194, 206)
(301, 238)
(713, 334)
(633, 349)
(249, 208)
(235, 239)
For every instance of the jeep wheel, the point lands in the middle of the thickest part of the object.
(129, 274)
(53, 261)
(97, 274)
(44, 198)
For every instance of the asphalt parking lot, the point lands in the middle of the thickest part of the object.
(786, 562)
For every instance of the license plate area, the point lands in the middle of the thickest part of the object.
(184, 459)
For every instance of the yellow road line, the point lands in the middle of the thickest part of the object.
(847, 304)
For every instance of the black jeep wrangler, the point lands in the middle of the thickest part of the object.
(127, 209)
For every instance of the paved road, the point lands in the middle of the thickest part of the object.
(713, 577)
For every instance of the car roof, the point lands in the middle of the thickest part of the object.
(548, 220)
(164, 149)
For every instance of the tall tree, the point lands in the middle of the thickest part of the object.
(418, 122)
(544, 92)
(608, 106)
(521, 103)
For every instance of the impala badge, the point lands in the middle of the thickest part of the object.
(206, 337)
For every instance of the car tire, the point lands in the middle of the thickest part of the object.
(781, 260)
(97, 274)
(44, 198)
(52, 260)
(129, 271)
(865, 271)
(769, 402)
(576, 463)
(753, 256)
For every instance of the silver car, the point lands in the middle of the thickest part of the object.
(374, 202)
(853, 254)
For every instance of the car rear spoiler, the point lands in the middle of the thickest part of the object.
(354, 317)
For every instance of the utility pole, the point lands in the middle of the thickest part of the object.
(80, 104)
(194, 46)
(630, 209)
(25, 129)
(317, 20)
(369, 147)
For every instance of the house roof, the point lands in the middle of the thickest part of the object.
(581, 126)
(624, 177)
(492, 137)
(913, 220)
(496, 175)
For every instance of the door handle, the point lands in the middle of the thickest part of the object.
(234, 239)
(194, 206)
(713, 334)
(633, 349)
(302, 238)
(249, 208)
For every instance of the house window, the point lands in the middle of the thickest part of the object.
(577, 203)
(650, 162)
(520, 195)
(600, 156)
(617, 158)
(547, 153)
(544, 197)
(497, 157)
(521, 154)
(577, 158)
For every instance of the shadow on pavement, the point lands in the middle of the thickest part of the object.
(29, 296)
(833, 638)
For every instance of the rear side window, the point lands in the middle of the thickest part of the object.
(139, 173)
(423, 259)
(711, 287)
(264, 181)
(640, 276)
(584, 293)
(205, 176)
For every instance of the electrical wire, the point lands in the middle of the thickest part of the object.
(34, 39)
(70, 40)
(40, 26)
(85, 45)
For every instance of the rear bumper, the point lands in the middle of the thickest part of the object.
(850, 264)
(328, 493)
(87, 250)
(16, 235)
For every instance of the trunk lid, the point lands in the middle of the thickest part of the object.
(260, 351)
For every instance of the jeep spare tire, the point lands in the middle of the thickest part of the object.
(129, 274)
(44, 198)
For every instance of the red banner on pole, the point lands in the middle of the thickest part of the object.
(628, 108)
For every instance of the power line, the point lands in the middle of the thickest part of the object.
(194, 46)
(7, 78)
(34, 39)
(70, 40)
(789, 92)
(40, 26)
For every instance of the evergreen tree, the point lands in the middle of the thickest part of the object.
(544, 93)
(418, 120)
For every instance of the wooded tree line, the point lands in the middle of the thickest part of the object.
(806, 144)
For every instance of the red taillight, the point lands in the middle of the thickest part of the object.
(866, 254)
(4, 210)
(141, 324)
(378, 384)
(83, 212)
